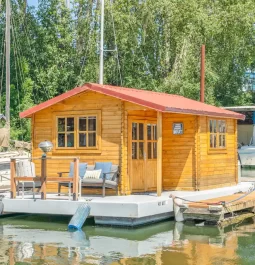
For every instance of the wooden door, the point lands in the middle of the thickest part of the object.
(151, 158)
(142, 154)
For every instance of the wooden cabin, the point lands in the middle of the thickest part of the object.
(160, 141)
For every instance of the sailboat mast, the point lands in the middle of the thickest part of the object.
(101, 67)
(7, 39)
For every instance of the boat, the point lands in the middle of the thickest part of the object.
(246, 153)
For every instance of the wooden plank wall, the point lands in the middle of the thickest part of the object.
(179, 161)
(114, 128)
(110, 128)
(217, 169)
(185, 157)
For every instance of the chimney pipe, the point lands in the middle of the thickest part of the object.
(202, 81)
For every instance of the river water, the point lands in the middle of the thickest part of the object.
(44, 240)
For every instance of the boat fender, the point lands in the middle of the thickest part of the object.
(79, 217)
(1, 208)
(178, 228)
(1, 205)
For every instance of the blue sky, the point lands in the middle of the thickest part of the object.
(33, 2)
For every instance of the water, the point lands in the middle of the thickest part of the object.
(44, 240)
(248, 172)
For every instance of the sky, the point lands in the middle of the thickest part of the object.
(33, 2)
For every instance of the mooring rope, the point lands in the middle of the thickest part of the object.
(213, 203)
(207, 203)
(246, 194)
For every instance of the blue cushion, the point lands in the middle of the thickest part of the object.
(82, 169)
(106, 168)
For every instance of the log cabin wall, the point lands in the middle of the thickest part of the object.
(179, 158)
(113, 121)
(187, 164)
(216, 168)
(110, 123)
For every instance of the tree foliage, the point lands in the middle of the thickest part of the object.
(154, 45)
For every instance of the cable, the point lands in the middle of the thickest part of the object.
(33, 54)
(18, 94)
(146, 64)
(19, 55)
(115, 40)
(2, 76)
(17, 45)
(223, 203)
(86, 51)
(246, 194)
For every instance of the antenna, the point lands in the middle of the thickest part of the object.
(202, 81)
(67, 3)
(101, 66)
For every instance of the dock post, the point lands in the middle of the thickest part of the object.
(159, 153)
(76, 179)
(13, 175)
(43, 176)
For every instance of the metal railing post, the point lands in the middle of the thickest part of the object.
(76, 179)
(43, 176)
(13, 175)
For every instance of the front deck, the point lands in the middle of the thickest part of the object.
(132, 210)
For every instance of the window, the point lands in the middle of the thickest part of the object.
(152, 141)
(144, 140)
(87, 131)
(217, 130)
(77, 132)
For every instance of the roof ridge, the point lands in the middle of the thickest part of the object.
(143, 90)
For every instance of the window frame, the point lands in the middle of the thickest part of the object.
(216, 149)
(76, 115)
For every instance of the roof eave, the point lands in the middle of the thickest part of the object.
(207, 113)
(28, 113)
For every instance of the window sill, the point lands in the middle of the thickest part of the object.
(76, 151)
(217, 151)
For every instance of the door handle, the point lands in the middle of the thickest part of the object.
(144, 156)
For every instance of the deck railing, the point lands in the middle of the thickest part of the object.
(44, 178)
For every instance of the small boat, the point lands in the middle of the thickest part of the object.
(247, 155)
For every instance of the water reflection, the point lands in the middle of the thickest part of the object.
(164, 243)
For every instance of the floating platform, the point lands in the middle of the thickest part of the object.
(132, 210)
(222, 211)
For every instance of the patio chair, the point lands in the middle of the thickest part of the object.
(26, 168)
(82, 170)
(109, 177)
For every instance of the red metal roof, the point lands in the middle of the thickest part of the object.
(155, 100)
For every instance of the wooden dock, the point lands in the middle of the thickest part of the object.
(221, 211)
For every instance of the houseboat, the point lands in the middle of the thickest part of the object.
(161, 142)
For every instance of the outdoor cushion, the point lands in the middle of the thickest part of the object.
(25, 168)
(92, 181)
(94, 174)
(29, 185)
(112, 183)
(82, 169)
(106, 168)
